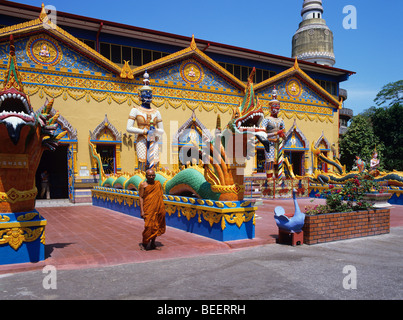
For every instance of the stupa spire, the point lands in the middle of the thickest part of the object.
(313, 40)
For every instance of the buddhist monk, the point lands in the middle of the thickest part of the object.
(152, 210)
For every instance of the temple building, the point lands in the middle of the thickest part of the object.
(93, 69)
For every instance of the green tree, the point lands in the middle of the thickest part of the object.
(386, 121)
(392, 93)
(387, 125)
(359, 140)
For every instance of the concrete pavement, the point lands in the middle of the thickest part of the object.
(94, 254)
(323, 271)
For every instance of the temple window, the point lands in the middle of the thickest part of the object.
(108, 143)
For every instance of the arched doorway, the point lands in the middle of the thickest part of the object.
(55, 163)
(59, 163)
(295, 148)
(323, 144)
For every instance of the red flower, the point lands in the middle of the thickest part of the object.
(331, 186)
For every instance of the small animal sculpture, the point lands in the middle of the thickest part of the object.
(292, 224)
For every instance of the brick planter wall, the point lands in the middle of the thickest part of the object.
(339, 226)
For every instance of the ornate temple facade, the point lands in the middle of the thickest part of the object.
(93, 71)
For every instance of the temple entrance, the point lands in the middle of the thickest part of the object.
(55, 162)
(296, 159)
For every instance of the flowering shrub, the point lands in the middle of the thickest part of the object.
(348, 198)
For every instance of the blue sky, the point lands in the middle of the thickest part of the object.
(373, 50)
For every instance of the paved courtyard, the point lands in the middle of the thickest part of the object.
(95, 252)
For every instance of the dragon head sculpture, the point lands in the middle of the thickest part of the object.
(24, 136)
(248, 116)
(224, 171)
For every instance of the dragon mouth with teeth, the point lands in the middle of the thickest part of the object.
(250, 122)
(249, 115)
(15, 112)
(24, 135)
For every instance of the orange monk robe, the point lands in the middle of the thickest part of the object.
(154, 212)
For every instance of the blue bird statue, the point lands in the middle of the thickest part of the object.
(293, 224)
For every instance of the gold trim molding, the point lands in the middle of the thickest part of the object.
(13, 195)
(15, 237)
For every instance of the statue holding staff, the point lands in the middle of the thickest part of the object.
(149, 128)
(274, 142)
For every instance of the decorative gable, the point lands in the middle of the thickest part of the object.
(295, 139)
(50, 46)
(106, 132)
(44, 51)
(192, 67)
(192, 72)
(298, 92)
(293, 89)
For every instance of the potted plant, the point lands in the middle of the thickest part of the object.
(376, 192)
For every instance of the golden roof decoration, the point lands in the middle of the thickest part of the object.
(295, 70)
(126, 72)
(43, 15)
(197, 54)
(43, 23)
(12, 78)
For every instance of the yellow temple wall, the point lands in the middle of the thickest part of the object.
(86, 99)
(86, 115)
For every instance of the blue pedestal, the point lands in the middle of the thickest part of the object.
(219, 220)
(22, 237)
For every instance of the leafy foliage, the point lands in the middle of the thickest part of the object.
(377, 126)
(348, 198)
(387, 125)
(391, 93)
(360, 140)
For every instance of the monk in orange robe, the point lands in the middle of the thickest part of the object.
(152, 210)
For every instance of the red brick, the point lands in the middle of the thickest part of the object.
(347, 225)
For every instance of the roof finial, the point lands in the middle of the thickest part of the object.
(193, 45)
(126, 72)
(296, 66)
(43, 15)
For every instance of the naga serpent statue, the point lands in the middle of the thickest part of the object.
(394, 178)
(219, 174)
(24, 135)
